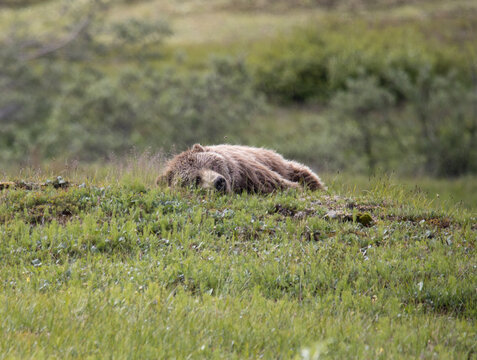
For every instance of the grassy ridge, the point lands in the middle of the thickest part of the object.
(127, 270)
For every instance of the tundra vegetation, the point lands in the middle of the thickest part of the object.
(102, 263)
(360, 86)
(115, 267)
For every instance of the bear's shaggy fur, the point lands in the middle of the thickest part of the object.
(233, 168)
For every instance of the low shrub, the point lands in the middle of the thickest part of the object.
(313, 63)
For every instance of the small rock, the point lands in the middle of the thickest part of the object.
(36, 263)
(331, 215)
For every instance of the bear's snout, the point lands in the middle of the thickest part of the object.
(220, 184)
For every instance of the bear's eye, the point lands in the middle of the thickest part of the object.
(197, 180)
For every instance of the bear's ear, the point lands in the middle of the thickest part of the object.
(197, 148)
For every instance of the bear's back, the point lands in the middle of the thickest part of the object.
(241, 153)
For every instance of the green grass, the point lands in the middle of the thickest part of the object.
(445, 194)
(126, 270)
(117, 268)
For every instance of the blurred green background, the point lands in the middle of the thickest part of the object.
(361, 86)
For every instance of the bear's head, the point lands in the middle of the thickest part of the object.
(197, 167)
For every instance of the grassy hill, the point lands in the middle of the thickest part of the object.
(111, 266)
(119, 268)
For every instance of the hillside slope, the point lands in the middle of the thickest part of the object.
(128, 271)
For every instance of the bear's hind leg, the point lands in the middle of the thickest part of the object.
(304, 175)
(258, 178)
(267, 181)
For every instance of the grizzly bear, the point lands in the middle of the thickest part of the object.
(234, 168)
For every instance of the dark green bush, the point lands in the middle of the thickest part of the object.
(101, 114)
(39, 74)
(20, 3)
(443, 121)
(363, 110)
(292, 69)
(433, 128)
(315, 62)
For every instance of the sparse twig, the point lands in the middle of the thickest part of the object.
(50, 48)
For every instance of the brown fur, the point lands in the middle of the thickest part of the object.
(234, 168)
